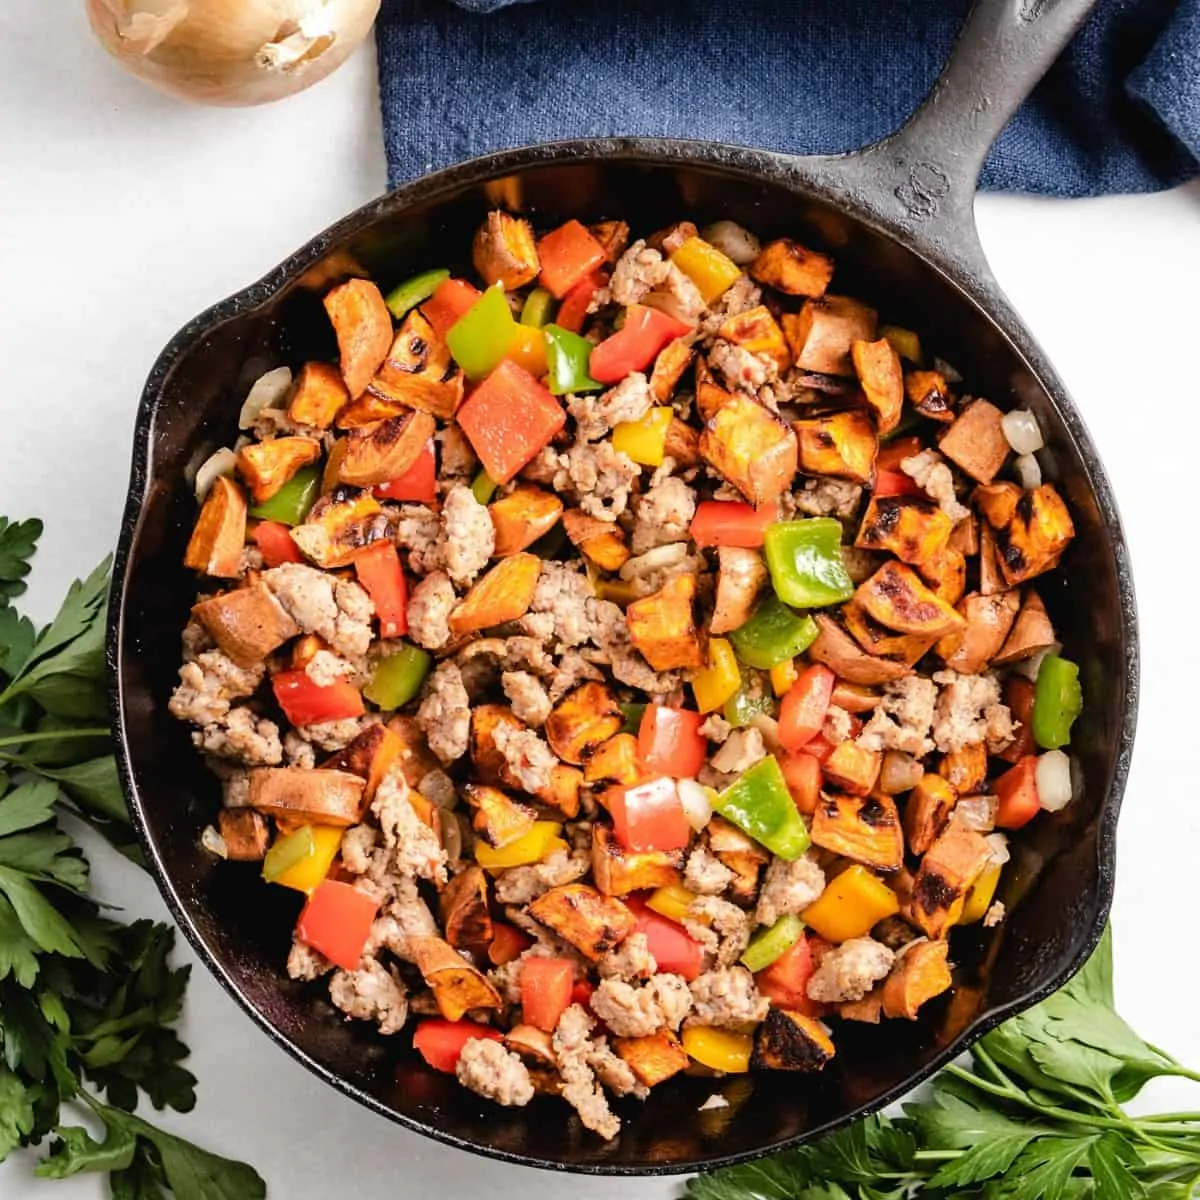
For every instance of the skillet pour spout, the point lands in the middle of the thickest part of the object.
(897, 216)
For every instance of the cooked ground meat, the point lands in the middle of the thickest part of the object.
(627, 665)
(630, 961)
(994, 915)
(596, 416)
(490, 1070)
(903, 717)
(679, 296)
(716, 728)
(837, 726)
(528, 697)
(207, 685)
(307, 964)
(195, 639)
(969, 711)
(850, 971)
(371, 993)
(730, 925)
(601, 476)
(336, 735)
(826, 497)
(520, 885)
(456, 457)
(741, 750)
(614, 1072)
(788, 887)
(651, 572)
(572, 1046)
(235, 782)
(528, 757)
(445, 713)
(469, 536)
(743, 371)
(637, 272)
(412, 846)
(404, 913)
(661, 1003)
(726, 998)
(242, 736)
(337, 610)
(572, 670)
(561, 594)
(429, 609)
(705, 874)
(741, 296)
(326, 668)
(663, 515)
(418, 529)
(936, 480)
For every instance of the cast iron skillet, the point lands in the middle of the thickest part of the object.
(898, 216)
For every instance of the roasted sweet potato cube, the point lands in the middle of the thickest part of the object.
(339, 525)
(533, 1044)
(854, 698)
(463, 910)
(376, 453)
(427, 812)
(990, 579)
(823, 331)
(663, 626)
(965, 537)
(319, 395)
(746, 868)
(613, 762)
(965, 770)
(523, 516)
(930, 394)
(882, 379)
(672, 361)
(869, 1009)
(897, 598)
(752, 449)
(317, 796)
(504, 251)
(997, 502)
(245, 833)
(579, 914)
(946, 574)
(618, 872)
(503, 594)
(1034, 539)
(371, 755)
(219, 536)
(852, 769)
(789, 267)
(267, 466)
(913, 528)
(369, 409)
(490, 764)
(457, 986)
(613, 236)
(757, 332)
(363, 326)
(391, 394)
(682, 444)
(790, 1041)
(948, 869)
(837, 650)
(416, 350)
(741, 576)
(920, 973)
(976, 441)
(884, 643)
(988, 620)
(247, 623)
(927, 810)
(840, 444)
(863, 828)
(724, 837)
(711, 397)
(652, 1058)
(562, 792)
(1031, 633)
(601, 542)
(497, 818)
(583, 720)
(414, 757)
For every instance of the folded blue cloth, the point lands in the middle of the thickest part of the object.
(1119, 112)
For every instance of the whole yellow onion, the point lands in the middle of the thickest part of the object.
(231, 51)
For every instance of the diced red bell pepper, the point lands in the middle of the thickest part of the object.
(567, 254)
(307, 703)
(785, 981)
(819, 747)
(274, 541)
(508, 418)
(648, 816)
(731, 523)
(440, 1042)
(508, 942)
(449, 304)
(670, 742)
(802, 774)
(572, 312)
(804, 706)
(895, 452)
(1018, 695)
(581, 992)
(379, 571)
(546, 987)
(674, 950)
(635, 345)
(336, 921)
(418, 483)
(1018, 794)
(894, 483)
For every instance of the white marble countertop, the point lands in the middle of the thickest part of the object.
(122, 214)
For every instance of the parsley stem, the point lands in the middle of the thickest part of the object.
(1175, 1116)
(58, 735)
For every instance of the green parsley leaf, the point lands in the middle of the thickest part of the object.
(1044, 1169)
(27, 807)
(1108, 1160)
(39, 918)
(16, 1112)
(18, 951)
(93, 786)
(76, 1150)
(17, 544)
(17, 636)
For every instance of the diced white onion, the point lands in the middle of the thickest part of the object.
(900, 773)
(213, 842)
(714, 1101)
(733, 241)
(948, 372)
(697, 802)
(267, 391)
(1031, 666)
(657, 559)
(1029, 474)
(1022, 431)
(998, 843)
(220, 462)
(1053, 780)
(977, 813)
(769, 728)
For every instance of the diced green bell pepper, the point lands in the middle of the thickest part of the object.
(1057, 701)
(760, 805)
(287, 851)
(773, 634)
(537, 308)
(483, 487)
(398, 677)
(291, 503)
(567, 356)
(754, 696)
(482, 336)
(633, 717)
(772, 941)
(415, 291)
(805, 561)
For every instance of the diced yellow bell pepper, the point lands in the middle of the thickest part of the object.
(528, 350)
(711, 271)
(309, 871)
(783, 675)
(644, 440)
(671, 902)
(720, 680)
(980, 897)
(905, 343)
(719, 1049)
(539, 843)
(850, 905)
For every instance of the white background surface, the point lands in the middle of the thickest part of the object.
(122, 214)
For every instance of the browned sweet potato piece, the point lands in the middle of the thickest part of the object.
(837, 650)
(822, 332)
(663, 626)
(416, 350)
(618, 872)
(927, 810)
(788, 266)
(1036, 536)
(920, 973)
(989, 618)
(490, 763)
(393, 393)
(523, 516)
(965, 538)
(997, 502)
(317, 796)
(863, 828)
(741, 854)
(752, 448)
(457, 986)
(339, 525)
(897, 598)
(947, 871)
(913, 528)
(672, 361)
(463, 910)
(245, 834)
(965, 770)
(376, 453)
(682, 444)
(497, 818)
(741, 576)
(613, 236)
(614, 762)
(562, 792)
(757, 332)
(1031, 633)
(247, 623)
(854, 698)
(852, 769)
(790, 1041)
(878, 640)
(930, 394)
(601, 542)
(370, 408)
(267, 466)
(503, 594)
(976, 441)
(879, 373)
(990, 579)
(219, 536)
(319, 395)
(583, 720)
(711, 397)
(531, 1043)
(364, 331)
(371, 756)
(868, 1010)
(592, 923)
(504, 251)
(414, 758)
(427, 812)
(841, 444)
(652, 1058)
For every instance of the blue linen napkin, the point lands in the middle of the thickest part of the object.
(1119, 112)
